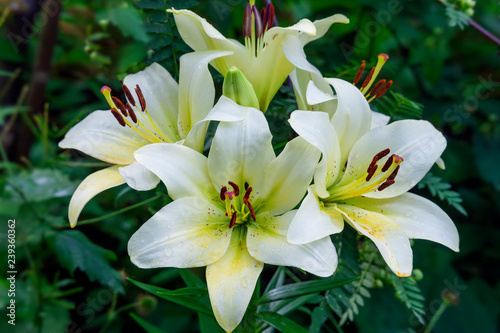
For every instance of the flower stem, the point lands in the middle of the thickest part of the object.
(436, 317)
(485, 32)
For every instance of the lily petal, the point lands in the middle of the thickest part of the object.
(391, 241)
(241, 150)
(379, 119)
(188, 232)
(352, 119)
(305, 99)
(99, 135)
(267, 243)
(202, 36)
(416, 216)
(313, 222)
(231, 282)
(322, 27)
(182, 169)
(161, 93)
(288, 176)
(94, 184)
(196, 88)
(224, 111)
(138, 177)
(315, 95)
(315, 128)
(416, 141)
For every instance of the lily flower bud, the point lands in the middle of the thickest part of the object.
(239, 89)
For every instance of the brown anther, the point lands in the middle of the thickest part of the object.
(359, 73)
(386, 184)
(377, 157)
(223, 191)
(384, 89)
(118, 117)
(270, 15)
(142, 101)
(376, 88)
(368, 78)
(371, 172)
(120, 106)
(388, 163)
(246, 197)
(246, 186)
(128, 94)
(131, 113)
(250, 208)
(233, 220)
(235, 187)
(394, 174)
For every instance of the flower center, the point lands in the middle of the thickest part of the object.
(135, 116)
(381, 87)
(255, 25)
(238, 208)
(375, 178)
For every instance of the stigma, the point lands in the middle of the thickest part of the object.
(134, 114)
(381, 87)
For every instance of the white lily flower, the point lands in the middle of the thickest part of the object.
(157, 110)
(231, 211)
(363, 179)
(270, 53)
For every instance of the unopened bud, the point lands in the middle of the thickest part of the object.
(239, 89)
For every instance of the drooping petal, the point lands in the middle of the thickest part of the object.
(241, 151)
(231, 282)
(322, 27)
(94, 184)
(196, 88)
(138, 177)
(416, 141)
(288, 176)
(161, 94)
(315, 128)
(416, 216)
(188, 232)
(101, 136)
(352, 119)
(311, 100)
(315, 95)
(313, 222)
(202, 36)
(379, 119)
(224, 111)
(384, 231)
(182, 169)
(267, 242)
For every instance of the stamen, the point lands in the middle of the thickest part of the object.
(386, 185)
(120, 106)
(247, 21)
(384, 89)
(118, 117)
(128, 94)
(250, 208)
(382, 59)
(246, 186)
(223, 191)
(233, 220)
(367, 80)
(359, 73)
(388, 163)
(246, 197)
(394, 173)
(376, 88)
(258, 22)
(131, 113)
(235, 187)
(269, 16)
(142, 100)
(377, 157)
(371, 172)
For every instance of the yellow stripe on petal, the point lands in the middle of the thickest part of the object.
(94, 184)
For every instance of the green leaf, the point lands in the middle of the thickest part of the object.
(129, 21)
(303, 288)
(187, 301)
(55, 317)
(281, 323)
(440, 188)
(12, 109)
(151, 4)
(149, 328)
(74, 250)
(191, 280)
(5, 73)
(318, 318)
(189, 291)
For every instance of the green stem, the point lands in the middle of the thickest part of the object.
(120, 211)
(5, 159)
(436, 317)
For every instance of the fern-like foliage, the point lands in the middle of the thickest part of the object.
(408, 292)
(165, 46)
(440, 188)
(456, 16)
(398, 106)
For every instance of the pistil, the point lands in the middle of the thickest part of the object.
(381, 87)
(238, 209)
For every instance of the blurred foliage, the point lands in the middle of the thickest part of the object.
(75, 280)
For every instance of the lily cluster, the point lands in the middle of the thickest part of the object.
(237, 206)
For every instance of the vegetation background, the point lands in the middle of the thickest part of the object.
(54, 58)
